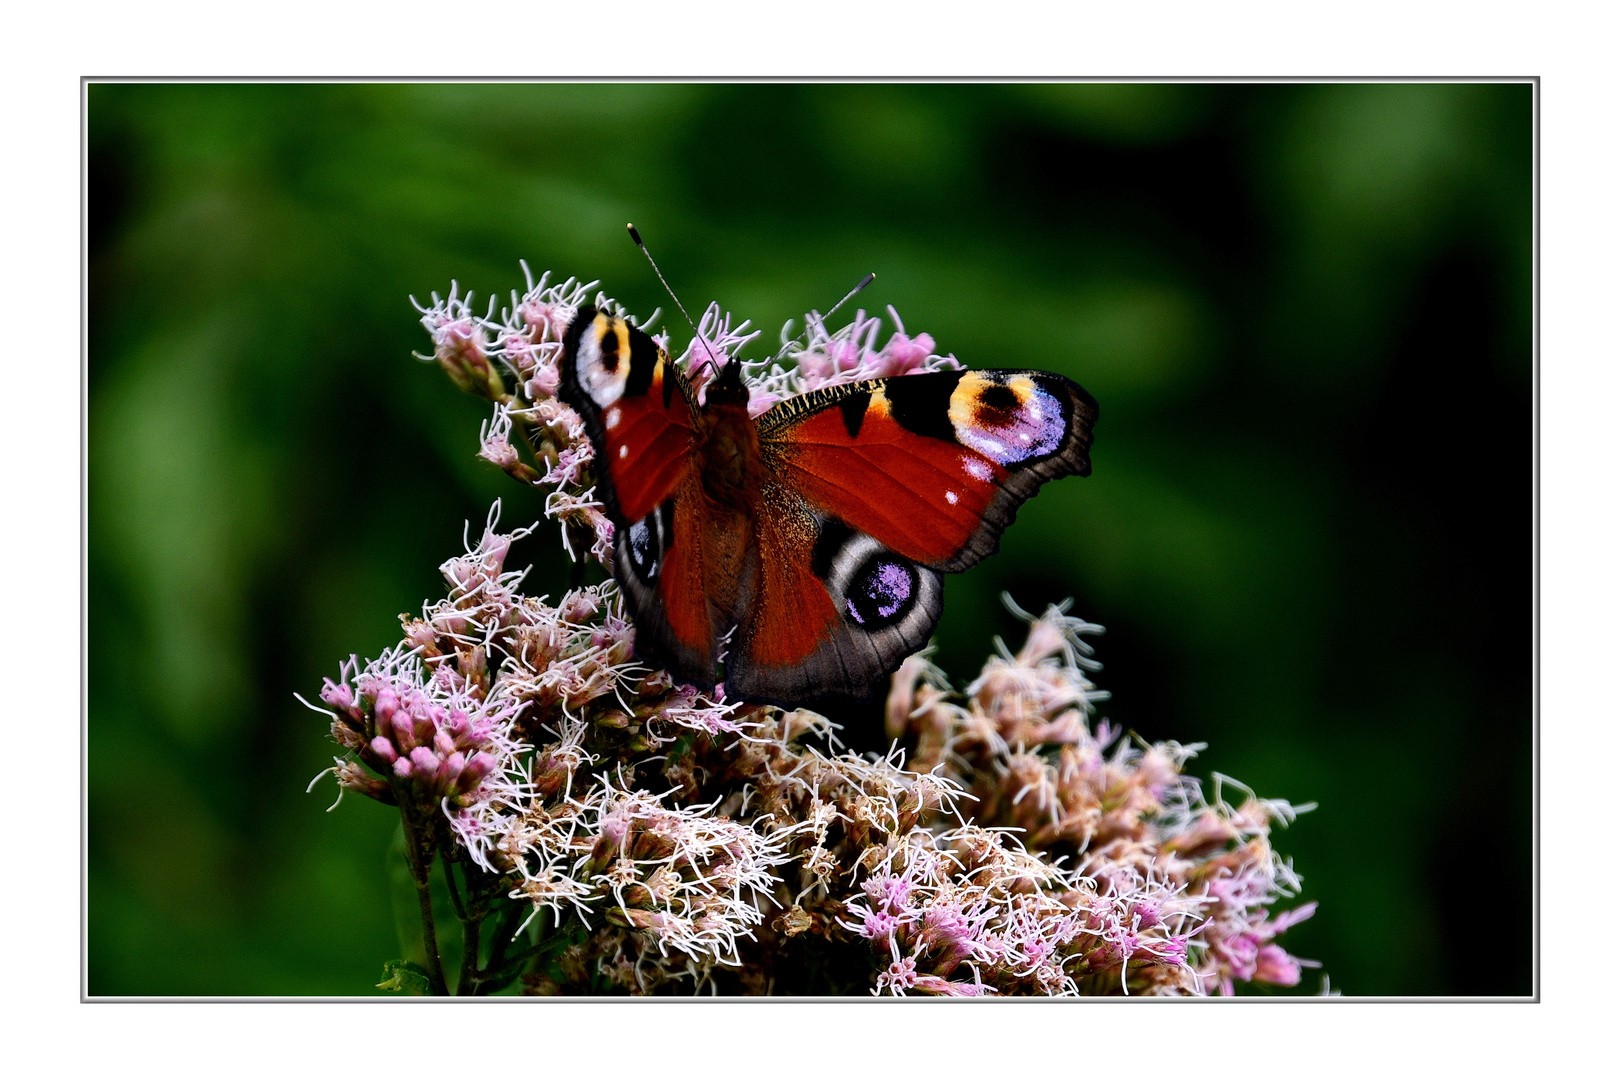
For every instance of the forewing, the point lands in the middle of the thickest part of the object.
(637, 409)
(932, 466)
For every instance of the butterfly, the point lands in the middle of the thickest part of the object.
(804, 549)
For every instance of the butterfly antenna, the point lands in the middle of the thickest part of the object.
(859, 285)
(636, 236)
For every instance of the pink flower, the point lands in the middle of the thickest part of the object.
(877, 924)
(571, 462)
(1274, 966)
(898, 977)
(495, 445)
(903, 355)
(338, 695)
(715, 344)
(891, 890)
(602, 544)
(761, 402)
(544, 381)
(461, 344)
(545, 321)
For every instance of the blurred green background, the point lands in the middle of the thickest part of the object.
(1305, 311)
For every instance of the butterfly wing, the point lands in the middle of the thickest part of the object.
(639, 413)
(877, 489)
(637, 409)
(934, 465)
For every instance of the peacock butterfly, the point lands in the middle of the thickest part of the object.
(803, 549)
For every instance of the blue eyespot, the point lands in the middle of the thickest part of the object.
(643, 548)
(1011, 422)
(881, 592)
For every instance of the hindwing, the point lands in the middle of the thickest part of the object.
(831, 610)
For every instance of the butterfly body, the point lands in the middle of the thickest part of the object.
(805, 548)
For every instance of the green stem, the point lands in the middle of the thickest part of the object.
(472, 927)
(421, 863)
(455, 897)
(504, 934)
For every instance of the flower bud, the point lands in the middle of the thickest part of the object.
(461, 347)
(452, 766)
(613, 718)
(500, 452)
(474, 667)
(403, 731)
(1146, 913)
(384, 749)
(345, 736)
(338, 695)
(901, 975)
(473, 772)
(356, 778)
(420, 635)
(903, 695)
(611, 833)
(1242, 954)
(386, 705)
(1047, 637)
(656, 683)
(579, 606)
(933, 984)
(544, 382)
(423, 727)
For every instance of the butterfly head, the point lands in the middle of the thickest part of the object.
(728, 387)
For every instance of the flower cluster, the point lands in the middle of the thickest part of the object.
(1172, 876)
(637, 835)
(668, 836)
(425, 732)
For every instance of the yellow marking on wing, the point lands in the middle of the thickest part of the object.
(965, 399)
(1023, 387)
(968, 410)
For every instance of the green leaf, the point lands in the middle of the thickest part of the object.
(406, 977)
